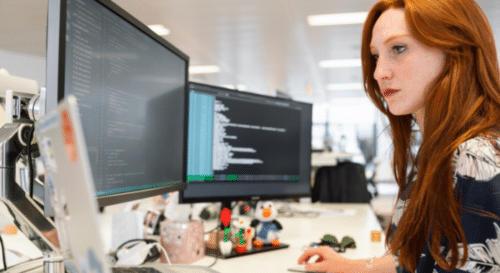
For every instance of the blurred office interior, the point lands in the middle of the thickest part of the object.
(270, 47)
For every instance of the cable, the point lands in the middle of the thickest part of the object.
(216, 259)
(30, 162)
(3, 255)
(113, 254)
(164, 251)
(148, 241)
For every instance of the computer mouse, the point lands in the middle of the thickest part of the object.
(300, 268)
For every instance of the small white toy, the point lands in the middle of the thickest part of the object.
(244, 233)
(267, 228)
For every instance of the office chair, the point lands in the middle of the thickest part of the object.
(344, 183)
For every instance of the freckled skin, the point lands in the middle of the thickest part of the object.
(404, 64)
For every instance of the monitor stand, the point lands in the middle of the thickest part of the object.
(215, 252)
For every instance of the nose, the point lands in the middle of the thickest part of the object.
(266, 212)
(383, 70)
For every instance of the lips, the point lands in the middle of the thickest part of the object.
(389, 92)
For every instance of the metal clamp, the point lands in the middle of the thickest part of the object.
(53, 264)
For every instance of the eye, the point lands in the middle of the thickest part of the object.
(375, 57)
(399, 48)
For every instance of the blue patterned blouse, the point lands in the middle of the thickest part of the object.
(476, 167)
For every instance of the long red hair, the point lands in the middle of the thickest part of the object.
(463, 103)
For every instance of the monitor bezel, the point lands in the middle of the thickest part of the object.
(56, 45)
(226, 199)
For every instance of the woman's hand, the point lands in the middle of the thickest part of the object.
(329, 260)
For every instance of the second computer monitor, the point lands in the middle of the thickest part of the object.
(244, 146)
(130, 85)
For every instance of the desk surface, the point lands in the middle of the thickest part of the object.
(354, 220)
(301, 232)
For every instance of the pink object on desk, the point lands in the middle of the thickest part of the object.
(183, 241)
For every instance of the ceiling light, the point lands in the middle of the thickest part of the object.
(203, 69)
(340, 63)
(345, 86)
(241, 87)
(159, 29)
(337, 19)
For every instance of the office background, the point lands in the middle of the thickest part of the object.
(261, 46)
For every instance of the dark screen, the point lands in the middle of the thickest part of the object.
(131, 96)
(273, 137)
(243, 145)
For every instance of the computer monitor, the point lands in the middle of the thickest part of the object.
(245, 146)
(130, 85)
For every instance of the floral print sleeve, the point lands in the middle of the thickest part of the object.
(476, 166)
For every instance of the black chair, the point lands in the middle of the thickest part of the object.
(344, 183)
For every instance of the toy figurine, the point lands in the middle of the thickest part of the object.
(244, 224)
(241, 246)
(225, 246)
(266, 227)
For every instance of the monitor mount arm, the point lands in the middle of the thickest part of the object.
(23, 104)
(22, 107)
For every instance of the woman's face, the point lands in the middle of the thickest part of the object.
(405, 68)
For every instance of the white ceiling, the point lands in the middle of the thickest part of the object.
(265, 45)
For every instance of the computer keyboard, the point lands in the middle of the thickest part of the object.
(134, 270)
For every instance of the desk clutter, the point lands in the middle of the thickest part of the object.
(331, 241)
(183, 241)
(220, 245)
(243, 236)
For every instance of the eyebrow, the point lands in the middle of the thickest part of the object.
(391, 38)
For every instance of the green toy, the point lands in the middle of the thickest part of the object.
(226, 233)
(240, 234)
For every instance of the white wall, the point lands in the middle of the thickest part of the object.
(26, 66)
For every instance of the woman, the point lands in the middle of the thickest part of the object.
(434, 62)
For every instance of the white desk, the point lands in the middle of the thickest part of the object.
(299, 233)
